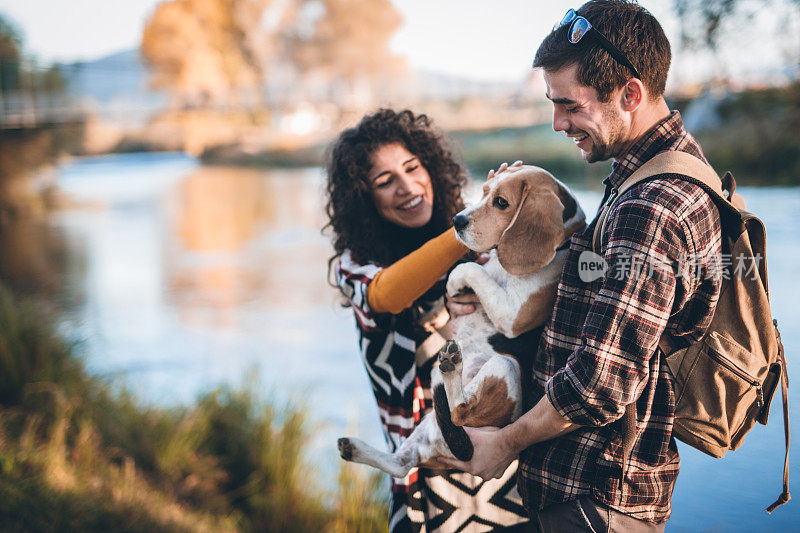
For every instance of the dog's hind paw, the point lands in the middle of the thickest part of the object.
(449, 357)
(345, 449)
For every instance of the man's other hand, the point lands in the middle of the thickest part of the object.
(462, 304)
(465, 304)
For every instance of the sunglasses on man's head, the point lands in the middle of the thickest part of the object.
(579, 27)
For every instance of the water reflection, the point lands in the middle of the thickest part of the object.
(244, 238)
(216, 213)
(186, 277)
(220, 208)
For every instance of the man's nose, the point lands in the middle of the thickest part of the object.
(560, 122)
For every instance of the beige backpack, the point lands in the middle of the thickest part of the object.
(724, 383)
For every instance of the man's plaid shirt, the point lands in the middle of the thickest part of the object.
(599, 351)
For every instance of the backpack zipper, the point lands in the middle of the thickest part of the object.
(742, 374)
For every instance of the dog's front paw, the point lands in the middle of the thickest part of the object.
(449, 357)
(455, 286)
(459, 280)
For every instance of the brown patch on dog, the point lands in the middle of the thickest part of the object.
(536, 310)
(490, 406)
(530, 240)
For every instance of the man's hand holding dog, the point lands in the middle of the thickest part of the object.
(493, 453)
(495, 448)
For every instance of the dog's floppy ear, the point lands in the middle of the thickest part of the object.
(536, 230)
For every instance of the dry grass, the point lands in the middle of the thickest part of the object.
(76, 456)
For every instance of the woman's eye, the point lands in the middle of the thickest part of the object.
(500, 202)
(412, 168)
(382, 183)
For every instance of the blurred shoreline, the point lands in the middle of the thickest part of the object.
(752, 133)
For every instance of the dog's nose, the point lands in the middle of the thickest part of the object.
(460, 221)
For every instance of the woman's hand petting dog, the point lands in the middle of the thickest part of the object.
(505, 166)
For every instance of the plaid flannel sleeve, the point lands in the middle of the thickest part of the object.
(643, 241)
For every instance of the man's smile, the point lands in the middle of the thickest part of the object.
(578, 138)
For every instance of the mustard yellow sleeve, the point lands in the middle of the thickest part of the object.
(396, 287)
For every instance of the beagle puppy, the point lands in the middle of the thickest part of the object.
(524, 219)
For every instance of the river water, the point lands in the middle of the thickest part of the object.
(177, 278)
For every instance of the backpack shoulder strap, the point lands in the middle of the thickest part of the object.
(670, 162)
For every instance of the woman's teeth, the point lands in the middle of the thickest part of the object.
(411, 204)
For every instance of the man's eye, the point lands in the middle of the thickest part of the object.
(500, 202)
(571, 109)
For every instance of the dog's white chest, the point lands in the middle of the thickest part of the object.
(472, 331)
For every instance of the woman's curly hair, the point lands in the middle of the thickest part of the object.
(351, 210)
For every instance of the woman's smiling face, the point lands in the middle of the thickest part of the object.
(401, 187)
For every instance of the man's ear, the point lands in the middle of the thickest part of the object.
(633, 94)
(536, 230)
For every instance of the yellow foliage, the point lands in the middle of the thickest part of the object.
(205, 50)
(208, 52)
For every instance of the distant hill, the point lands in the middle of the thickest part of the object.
(121, 80)
(118, 83)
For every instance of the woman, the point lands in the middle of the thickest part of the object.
(393, 189)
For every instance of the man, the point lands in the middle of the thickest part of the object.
(599, 355)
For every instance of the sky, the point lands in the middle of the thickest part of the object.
(481, 39)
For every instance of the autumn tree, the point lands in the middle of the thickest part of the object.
(206, 51)
(349, 39)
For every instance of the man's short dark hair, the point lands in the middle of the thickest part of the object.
(631, 28)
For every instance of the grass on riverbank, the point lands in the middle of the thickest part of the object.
(76, 455)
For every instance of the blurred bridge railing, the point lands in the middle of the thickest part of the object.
(20, 110)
